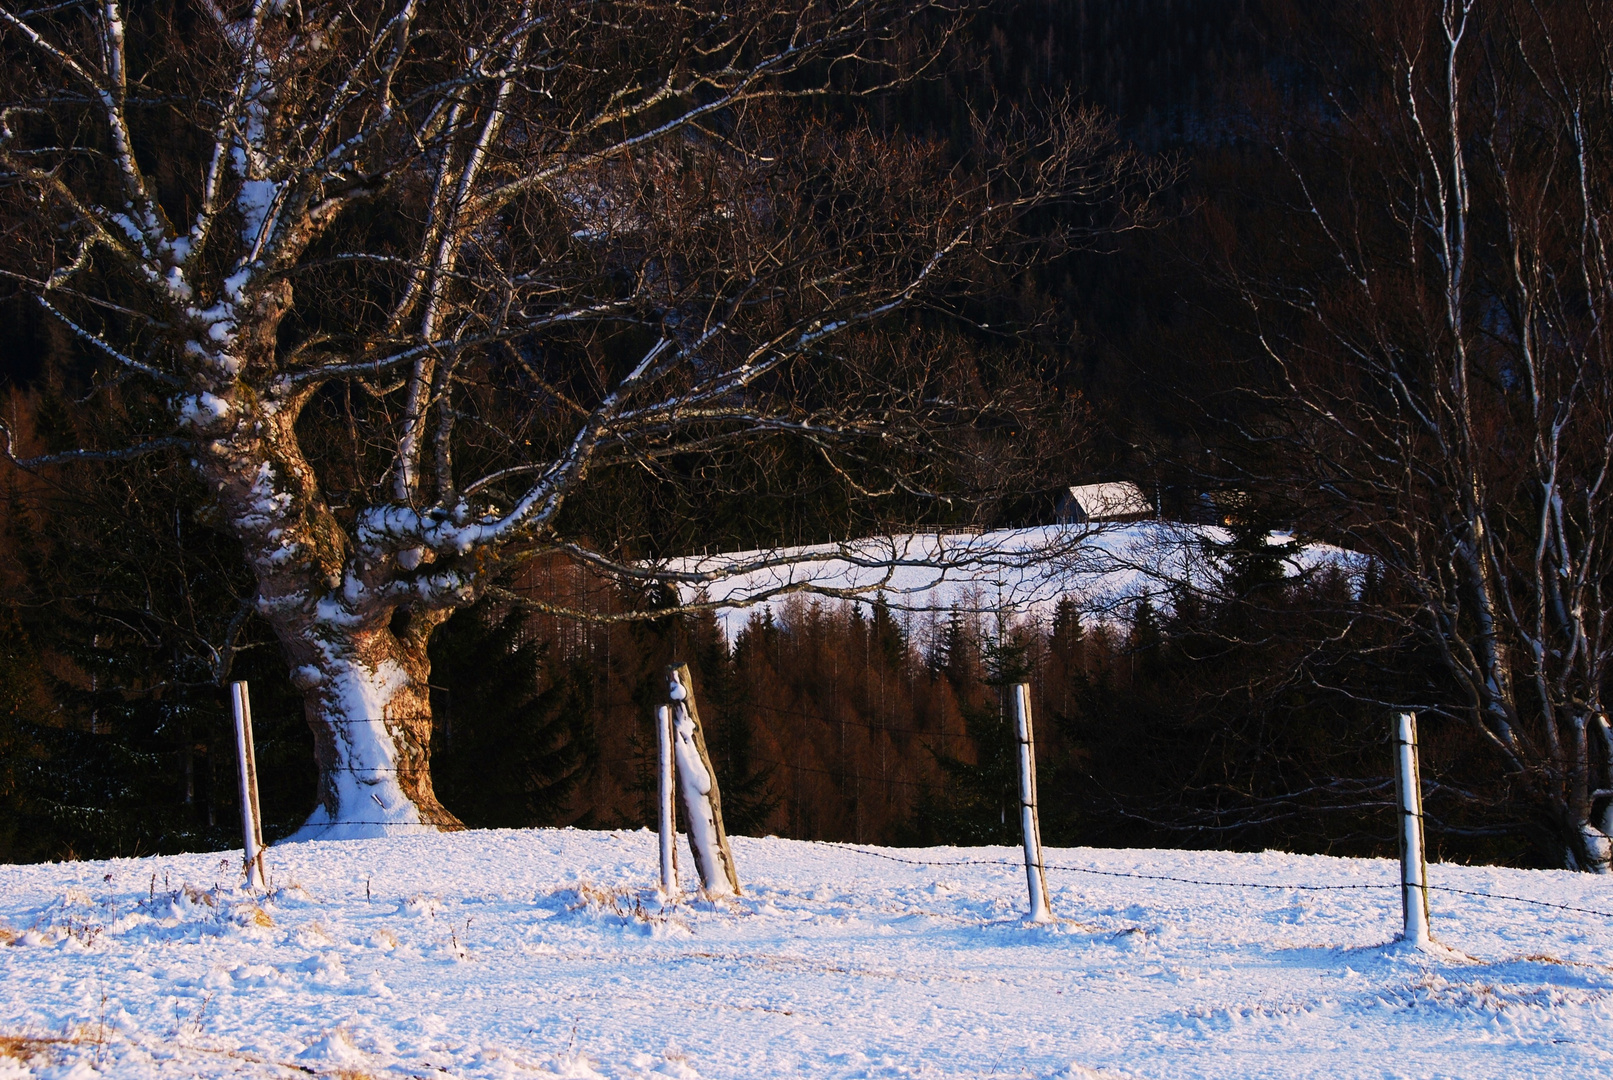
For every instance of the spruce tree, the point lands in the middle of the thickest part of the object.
(515, 721)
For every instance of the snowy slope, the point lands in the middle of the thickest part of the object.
(540, 953)
(1022, 571)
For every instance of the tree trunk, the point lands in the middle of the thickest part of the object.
(1589, 848)
(1588, 844)
(358, 657)
(367, 699)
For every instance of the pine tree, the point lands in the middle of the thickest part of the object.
(1250, 561)
(516, 722)
(887, 634)
(958, 658)
(748, 799)
(980, 805)
(1068, 641)
(24, 830)
(1145, 640)
(132, 616)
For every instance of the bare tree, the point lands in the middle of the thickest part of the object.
(403, 283)
(1437, 382)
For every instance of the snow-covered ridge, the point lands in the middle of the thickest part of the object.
(1023, 572)
(543, 953)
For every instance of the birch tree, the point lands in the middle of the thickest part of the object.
(1436, 350)
(401, 281)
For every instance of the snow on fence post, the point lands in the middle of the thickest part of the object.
(1413, 865)
(668, 824)
(697, 780)
(1030, 824)
(247, 759)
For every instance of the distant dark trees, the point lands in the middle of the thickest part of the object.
(524, 737)
(1416, 366)
(1205, 723)
(1201, 724)
(126, 618)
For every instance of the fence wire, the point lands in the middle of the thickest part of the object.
(1018, 865)
(1015, 865)
(1220, 884)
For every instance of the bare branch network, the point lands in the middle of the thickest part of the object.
(404, 284)
(1435, 369)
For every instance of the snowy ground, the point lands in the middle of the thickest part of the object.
(535, 953)
(1104, 568)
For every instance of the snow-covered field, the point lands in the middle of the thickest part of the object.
(544, 952)
(1104, 568)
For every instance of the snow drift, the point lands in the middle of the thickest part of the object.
(544, 953)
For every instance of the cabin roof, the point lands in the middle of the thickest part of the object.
(1117, 499)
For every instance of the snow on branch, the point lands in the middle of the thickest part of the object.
(69, 457)
(102, 345)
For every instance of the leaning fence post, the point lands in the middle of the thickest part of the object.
(247, 759)
(1029, 823)
(1413, 864)
(697, 780)
(668, 823)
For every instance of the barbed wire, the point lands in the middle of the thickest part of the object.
(436, 828)
(979, 862)
(1019, 864)
(1520, 900)
(1220, 884)
(1114, 873)
(831, 773)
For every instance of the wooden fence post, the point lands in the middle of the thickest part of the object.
(668, 823)
(1413, 864)
(1029, 822)
(697, 781)
(247, 760)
